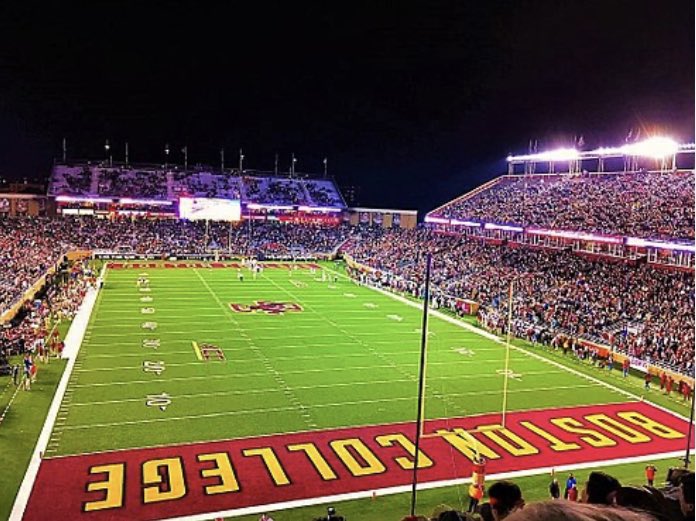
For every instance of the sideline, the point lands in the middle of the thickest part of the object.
(76, 333)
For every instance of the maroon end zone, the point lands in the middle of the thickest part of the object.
(200, 478)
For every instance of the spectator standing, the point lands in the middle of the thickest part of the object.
(555, 489)
(650, 471)
(570, 483)
(475, 495)
(573, 493)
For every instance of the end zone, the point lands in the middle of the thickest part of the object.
(249, 475)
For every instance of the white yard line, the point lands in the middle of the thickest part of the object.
(294, 408)
(309, 387)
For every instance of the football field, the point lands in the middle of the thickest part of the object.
(349, 358)
(288, 365)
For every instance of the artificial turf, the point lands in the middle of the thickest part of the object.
(349, 358)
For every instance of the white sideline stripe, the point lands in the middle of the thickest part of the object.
(285, 505)
(294, 407)
(75, 333)
(491, 336)
(309, 387)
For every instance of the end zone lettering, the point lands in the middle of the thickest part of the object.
(225, 476)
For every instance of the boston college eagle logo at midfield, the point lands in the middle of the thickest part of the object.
(268, 307)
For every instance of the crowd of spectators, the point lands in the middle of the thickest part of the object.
(29, 246)
(26, 253)
(639, 309)
(160, 184)
(602, 497)
(33, 330)
(206, 184)
(636, 308)
(283, 191)
(648, 205)
(71, 180)
(323, 192)
(121, 182)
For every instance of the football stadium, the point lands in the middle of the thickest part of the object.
(189, 337)
(202, 356)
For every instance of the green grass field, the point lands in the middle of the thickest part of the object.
(349, 359)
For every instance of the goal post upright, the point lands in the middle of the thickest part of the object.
(506, 370)
(421, 381)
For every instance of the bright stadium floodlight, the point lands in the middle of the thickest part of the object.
(656, 147)
(560, 154)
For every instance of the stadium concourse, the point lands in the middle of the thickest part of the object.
(564, 298)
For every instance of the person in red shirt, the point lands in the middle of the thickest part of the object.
(668, 387)
(663, 380)
(626, 365)
(648, 379)
(573, 493)
(650, 471)
(686, 391)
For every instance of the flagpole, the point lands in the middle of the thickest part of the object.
(421, 382)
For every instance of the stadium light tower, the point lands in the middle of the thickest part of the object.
(222, 160)
(292, 165)
(166, 156)
(241, 161)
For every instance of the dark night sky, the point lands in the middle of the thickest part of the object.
(415, 102)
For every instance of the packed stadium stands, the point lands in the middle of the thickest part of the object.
(159, 184)
(647, 205)
(28, 246)
(639, 309)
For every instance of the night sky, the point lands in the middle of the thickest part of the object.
(414, 102)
